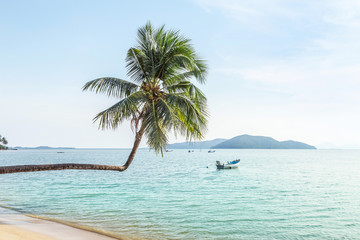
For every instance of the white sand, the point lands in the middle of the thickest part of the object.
(16, 226)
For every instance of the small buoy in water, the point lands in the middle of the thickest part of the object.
(207, 166)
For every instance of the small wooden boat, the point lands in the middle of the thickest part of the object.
(211, 151)
(228, 165)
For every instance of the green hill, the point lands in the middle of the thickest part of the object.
(260, 142)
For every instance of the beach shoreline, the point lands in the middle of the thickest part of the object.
(18, 226)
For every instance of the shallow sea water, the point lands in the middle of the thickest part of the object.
(274, 194)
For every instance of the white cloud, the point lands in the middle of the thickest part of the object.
(346, 13)
(328, 62)
(241, 10)
(318, 85)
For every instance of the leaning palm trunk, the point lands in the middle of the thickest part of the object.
(63, 166)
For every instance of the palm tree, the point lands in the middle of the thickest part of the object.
(4, 141)
(160, 98)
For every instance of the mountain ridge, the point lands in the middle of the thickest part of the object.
(244, 141)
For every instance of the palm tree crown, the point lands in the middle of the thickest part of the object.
(161, 97)
(3, 140)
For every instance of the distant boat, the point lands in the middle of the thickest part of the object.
(211, 151)
(191, 151)
(169, 150)
(228, 165)
(60, 152)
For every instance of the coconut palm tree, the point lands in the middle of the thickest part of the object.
(159, 99)
(4, 141)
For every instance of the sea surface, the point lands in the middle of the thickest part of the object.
(274, 194)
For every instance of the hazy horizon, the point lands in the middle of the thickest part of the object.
(323, 146)
(288, 70)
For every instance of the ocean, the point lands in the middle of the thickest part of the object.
(274, 194)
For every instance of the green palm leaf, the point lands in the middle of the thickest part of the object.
(191, 114)
(123, 110)
(155, 129)
(111, 86)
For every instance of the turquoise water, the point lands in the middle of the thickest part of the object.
(274, 194)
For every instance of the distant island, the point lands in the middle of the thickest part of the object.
(196, 145)
(41, 148)
(243, 142)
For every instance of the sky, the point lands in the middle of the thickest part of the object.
(289, 69)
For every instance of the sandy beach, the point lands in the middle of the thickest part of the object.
(17, 226)
(8, 232)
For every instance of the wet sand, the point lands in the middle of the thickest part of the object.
(17, 226)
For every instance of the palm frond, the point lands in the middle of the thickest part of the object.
(123, 110)
(183, 63)
(192, 116)
(188, 88)
(156, 134)
(190, 65)
(136, 65)
(111, 86)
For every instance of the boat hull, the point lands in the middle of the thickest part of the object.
(227, 165)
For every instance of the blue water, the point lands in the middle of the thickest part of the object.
(274, 194)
